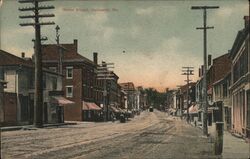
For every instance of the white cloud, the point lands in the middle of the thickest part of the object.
(225, 12)
(108, 33)
(135, 31)
(171, 44)
(163, 66)
(144, 11)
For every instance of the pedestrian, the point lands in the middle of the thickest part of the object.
(113, 117)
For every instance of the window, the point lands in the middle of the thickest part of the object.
(69, 91)
(225, 90)
(54, 83)
(69, 72)
(53, 69)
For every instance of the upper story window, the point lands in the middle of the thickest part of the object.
(54, 83)
(240, 67)
(69, 72)
(69, 91)
(53, 69)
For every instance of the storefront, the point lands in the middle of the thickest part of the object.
(91, 112)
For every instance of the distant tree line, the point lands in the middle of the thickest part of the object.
(155, 98)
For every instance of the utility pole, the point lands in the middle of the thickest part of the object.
(179, 99)
(34, 42)
(38, 97)
(104, 74)
(2, 86)
(187, 71)
(204, 28)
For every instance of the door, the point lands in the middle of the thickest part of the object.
(31, 108)
(45, 111)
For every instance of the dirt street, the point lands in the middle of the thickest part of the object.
(152, 135)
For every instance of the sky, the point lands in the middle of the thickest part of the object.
(158, 37)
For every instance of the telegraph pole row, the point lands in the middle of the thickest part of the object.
(204, 90)
(38, 97)
(187, 71)
(180, 106)
(103, 73)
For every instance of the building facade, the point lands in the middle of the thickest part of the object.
(221, 93)
(129, 88)
(19, 74)
(79, 83)
(240, 84)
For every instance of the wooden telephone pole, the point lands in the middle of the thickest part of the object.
(204, 90)
(104, 74)
(187, 71)
(38, 97)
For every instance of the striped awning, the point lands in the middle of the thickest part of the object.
(90, 106)
(193, 109)
(61, 101)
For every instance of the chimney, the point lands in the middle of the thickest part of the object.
(202, 70)
(95, 57)
(246, 18)
(23, 54)
(104, 64)
(75, 44)
(199, 72)
(209, 60)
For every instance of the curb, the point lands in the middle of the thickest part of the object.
(32, 127)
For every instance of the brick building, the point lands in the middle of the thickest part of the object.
(79, 83)
(218, 69)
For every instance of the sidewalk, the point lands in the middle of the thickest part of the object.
(235, 148)
(27, 127)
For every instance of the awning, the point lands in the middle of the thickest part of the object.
(193, 109)
(121, 110)
(209, 91)
(90, 106)
(114, 109)
(61, 101)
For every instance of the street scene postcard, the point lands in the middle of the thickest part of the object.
(124, 79)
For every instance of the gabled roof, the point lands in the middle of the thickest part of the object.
(241, 36)
(127, 86)
(221, 56)
(184, 87)
(70, 54)
(8, 59)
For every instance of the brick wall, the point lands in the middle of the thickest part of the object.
(74, 112)
(223, 66)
